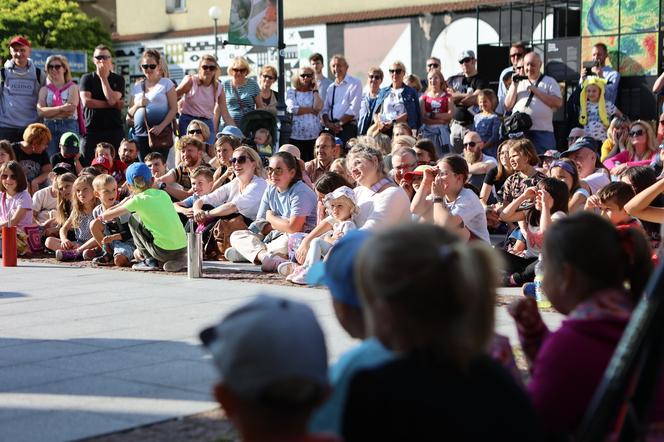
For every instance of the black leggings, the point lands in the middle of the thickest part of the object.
(521, 269)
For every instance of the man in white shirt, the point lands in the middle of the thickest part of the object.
(518, 50)
(478, 163)
(342, 101)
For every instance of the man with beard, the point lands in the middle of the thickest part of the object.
(192, 157)
(478, 163)
(326, 152)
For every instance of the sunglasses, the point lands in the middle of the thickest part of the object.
(465, 60)
(102, 57)
(268, 77)
(516, 54)
(241, 160)
(375, 77)
(518, 67)
(470, 144)
(56, 67)
(195, 132)
(636, 133)
(241, 71)
(148, 66)
(276, 171)
(433, 65)
(396, 71)
(5, 176)
(306, 75)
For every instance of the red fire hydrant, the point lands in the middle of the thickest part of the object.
(9, 246)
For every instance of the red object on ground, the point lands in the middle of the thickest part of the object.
(9, 246)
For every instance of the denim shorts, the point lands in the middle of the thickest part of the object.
(125, 248)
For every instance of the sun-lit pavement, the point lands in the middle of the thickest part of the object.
(88, 351)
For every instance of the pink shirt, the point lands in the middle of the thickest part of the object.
(9, 206)
(623, 158)
(199, 101)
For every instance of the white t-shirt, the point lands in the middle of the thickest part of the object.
(389, 207)
(393, 105)
(43, 202)
(597, 180)
(469, 208)
(246, 201)
(342, 227)
(541, 114)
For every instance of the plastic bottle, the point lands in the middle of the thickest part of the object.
(540, 296)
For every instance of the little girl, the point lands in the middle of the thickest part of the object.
(83, 203)
(565, 170)
(588, 265)
(263, 140)
(15, 203)
(487, 122)
(341, 205)
(551, 204)
(595, 112)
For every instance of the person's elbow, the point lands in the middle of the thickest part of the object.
(295, 224)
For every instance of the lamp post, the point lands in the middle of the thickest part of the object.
(215, 13)
(283, 117)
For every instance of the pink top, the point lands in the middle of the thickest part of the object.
(623, 158)
(437, 104)
(9, 206)
(199, 101)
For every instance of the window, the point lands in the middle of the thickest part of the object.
(173, 6)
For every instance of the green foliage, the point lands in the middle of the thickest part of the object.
(50, 24)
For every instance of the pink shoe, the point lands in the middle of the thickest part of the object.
(301, 277)
(296, 270)
(286, 268)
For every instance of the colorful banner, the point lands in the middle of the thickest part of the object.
(253, 22)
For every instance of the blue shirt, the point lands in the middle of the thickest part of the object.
(298, 200)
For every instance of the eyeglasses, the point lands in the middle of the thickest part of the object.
(56, 67)
(268, 77)
(470, 144)
(516, 54)
(396, 71)
(148, 66)
(6, 176)
(636, 133)
(465, 60)
(195, 132)
(208, 67)
(433, 65)
(276, 171)
(375, 77)
(306, 75)
(243, 159)
(102, 57)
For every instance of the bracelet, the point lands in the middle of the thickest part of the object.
(207, 213)
(438, 199)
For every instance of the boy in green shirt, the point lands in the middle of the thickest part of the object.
(154, 224)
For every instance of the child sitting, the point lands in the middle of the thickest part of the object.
(45, 201)
(202, 180)
(263, 140)
(341, 206)
(113, 237)
(611, 200)
(82, 205)
(118, 168)
(158, 234)
(70, 152)
(15, 203)
(595, 113)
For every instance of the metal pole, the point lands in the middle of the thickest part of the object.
(284, 120)
(216, 44)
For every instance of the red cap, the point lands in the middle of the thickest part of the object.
(18, 40)
(102, 161)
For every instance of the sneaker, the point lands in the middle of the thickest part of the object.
(271, 262)
(175, 265)
(301, 277)
(67, 255)
(296, 271)
(147, 265)
(104, 260)
(231, 254)
(90, 254)
(529, 290)
(286, 268)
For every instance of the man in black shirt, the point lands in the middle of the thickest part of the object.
(467, 84)
(101, 94)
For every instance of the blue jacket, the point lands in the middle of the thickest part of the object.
(411, 102)
(367, 108)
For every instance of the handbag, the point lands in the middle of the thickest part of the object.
(220, 239)
(520, 122)
(162, 141)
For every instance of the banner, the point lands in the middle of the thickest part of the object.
(78, 60)
(253, 22)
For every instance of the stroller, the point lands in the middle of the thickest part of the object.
(259, 119)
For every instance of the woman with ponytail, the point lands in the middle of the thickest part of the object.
(594, 274)
(430, 298)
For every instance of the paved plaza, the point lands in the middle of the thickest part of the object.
(86, 351)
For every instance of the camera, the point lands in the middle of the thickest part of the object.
(518, 78)
(589, 65)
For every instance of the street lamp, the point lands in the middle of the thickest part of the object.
(215, 13)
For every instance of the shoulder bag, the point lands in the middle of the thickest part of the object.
(163, 140)
(520, 122)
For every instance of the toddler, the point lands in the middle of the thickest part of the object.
(158, 234)
(595, 112)
(113, 237)
(487, 122)
(263, 141)
(341, 206)
(83, 203)
(15, 203)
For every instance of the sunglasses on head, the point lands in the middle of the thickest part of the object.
(636, 133)
(148, 66)
(470, 144)
(396, 71)
(195, 132)
(433, 65)
(239, 160)
(465, 60)
(268, 77)
(207, 67)
(306, 75)
(102, 57)
(56, 67)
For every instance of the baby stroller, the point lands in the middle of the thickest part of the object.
(259, 119)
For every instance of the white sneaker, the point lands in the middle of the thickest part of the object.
(286, 268)
(231, 254)
(271, 262)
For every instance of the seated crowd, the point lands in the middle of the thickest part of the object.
(411, 205)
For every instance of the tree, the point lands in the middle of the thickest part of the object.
(50, 24)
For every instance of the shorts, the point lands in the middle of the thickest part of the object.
(124, 248)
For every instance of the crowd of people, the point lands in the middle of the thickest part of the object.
(435, 191)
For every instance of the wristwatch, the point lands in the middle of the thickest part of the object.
(162, 186)
(315, 90)
(438, 199)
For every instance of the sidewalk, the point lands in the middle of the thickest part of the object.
(86, 351)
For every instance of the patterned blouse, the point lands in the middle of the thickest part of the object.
(305, 126)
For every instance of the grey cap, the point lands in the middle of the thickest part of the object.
(466, 54)
(232, 131)
(267, 340)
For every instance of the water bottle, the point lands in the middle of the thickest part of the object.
(194, 252)
(540, 296)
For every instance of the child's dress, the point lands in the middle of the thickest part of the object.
(595, 128)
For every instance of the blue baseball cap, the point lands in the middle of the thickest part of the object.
(337, 271)
(138, 170)
(232, 131)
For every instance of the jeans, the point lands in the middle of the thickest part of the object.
(185, 119)
(58, 128)
(542, 140)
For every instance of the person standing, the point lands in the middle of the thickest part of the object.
(101, 94)
(322, 82)
(433, 65)
(21, 81)
(599, 54)
(369, 99)
(518, 50)
(466, 85)
(342, 101)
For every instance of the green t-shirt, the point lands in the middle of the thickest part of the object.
(158, 216)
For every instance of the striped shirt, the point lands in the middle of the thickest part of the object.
(241, 100)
